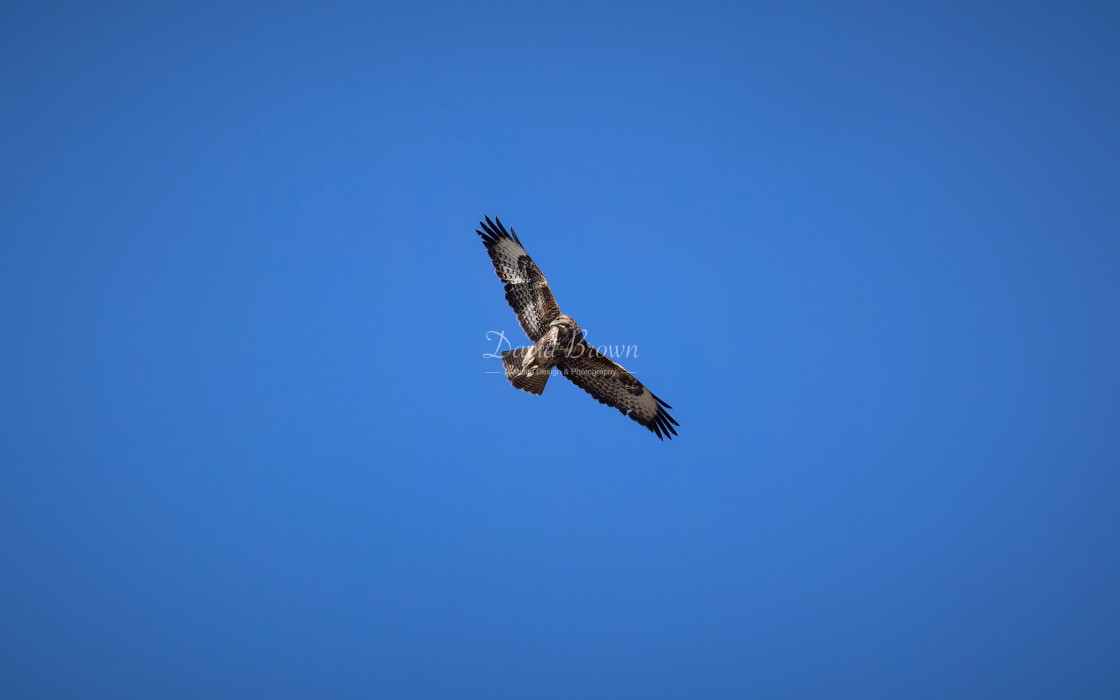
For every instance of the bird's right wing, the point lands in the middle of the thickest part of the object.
(526, 288)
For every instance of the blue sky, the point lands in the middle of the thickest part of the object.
(252, 447)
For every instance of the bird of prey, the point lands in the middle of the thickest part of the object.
(559, 342)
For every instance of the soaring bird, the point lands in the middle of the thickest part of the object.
(559, 342)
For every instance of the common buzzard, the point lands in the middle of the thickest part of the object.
(559, 342)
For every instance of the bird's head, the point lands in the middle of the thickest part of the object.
(566, 326)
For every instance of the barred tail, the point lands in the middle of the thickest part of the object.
(531, 379)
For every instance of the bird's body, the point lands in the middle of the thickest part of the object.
(559, 342)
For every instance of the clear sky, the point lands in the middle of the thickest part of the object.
(251, 445)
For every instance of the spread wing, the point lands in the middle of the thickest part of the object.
(610, 383)
(526, 288)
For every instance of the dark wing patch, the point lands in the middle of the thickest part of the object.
(526, 288)
(609, 383)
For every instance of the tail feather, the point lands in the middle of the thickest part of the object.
(531, 379)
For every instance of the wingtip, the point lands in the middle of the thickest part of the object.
(662, 424)
(495, 229)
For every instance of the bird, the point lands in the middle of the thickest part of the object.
(559, 342)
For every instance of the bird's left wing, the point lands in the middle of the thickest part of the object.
(609, 383)
(526, 288)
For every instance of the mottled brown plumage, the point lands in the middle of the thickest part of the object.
(558, 341)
